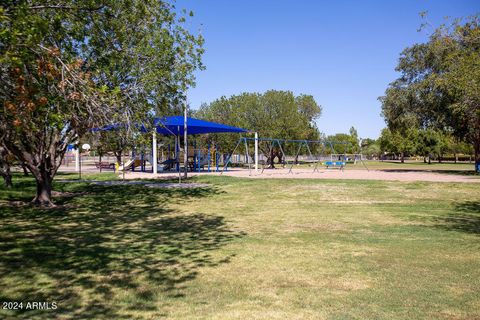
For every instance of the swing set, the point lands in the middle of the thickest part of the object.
(314, 149)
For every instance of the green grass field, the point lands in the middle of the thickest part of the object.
(244, 249)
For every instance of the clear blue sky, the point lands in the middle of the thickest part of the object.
(341, 52)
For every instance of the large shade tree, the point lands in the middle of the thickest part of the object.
(73, 65)
(273, 114)
(439, 85)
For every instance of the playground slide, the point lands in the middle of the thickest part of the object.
(126, 166)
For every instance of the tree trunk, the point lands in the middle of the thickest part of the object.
(439, 158)
(43, 196)
(424, 159)
(119, 157)
(7, 177)
(402, 157)
(25, 170)
(272, 159)
(456, 157)
(5, 168)
(280, 157)
(429, 159)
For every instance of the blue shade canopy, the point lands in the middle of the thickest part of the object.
(174, 126)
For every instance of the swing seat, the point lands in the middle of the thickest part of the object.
(335, 164)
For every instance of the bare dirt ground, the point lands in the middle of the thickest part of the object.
(401, 175)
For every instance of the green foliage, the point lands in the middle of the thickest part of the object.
(370, 148)
(70, 66)
(398, 142)
(273, 114)
(439, 86)
(344, 143)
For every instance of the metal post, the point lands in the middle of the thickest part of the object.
(177, 151)
(269, 154)
(199, 160)
(256, 152)
(154, 150)
(195, 154)
(296, 157)
(228, 159)
(248, 158)
(283, 153)
(185, 143)
(77, 158)
(208, 157)
(133, 157)
(79, 164)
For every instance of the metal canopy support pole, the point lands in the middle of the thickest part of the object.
(77, 159)
(177, 151)
(256, 152)
(154, 151)
(185, 144)
(248, 158)
(80, 164)
(208, 156)
(177, 158)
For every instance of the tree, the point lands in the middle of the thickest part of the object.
(308, 107)
(345, 143)
(68, 67)
(273, 114)
(439, 86)
(5, 167)
(370, 147)
(428, 144)
(398, 142)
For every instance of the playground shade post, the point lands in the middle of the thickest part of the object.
(185, 144)
(77, 159)
(256, 152)
(154, 151)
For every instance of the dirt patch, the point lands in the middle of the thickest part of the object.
(355, 175)
(407, 176)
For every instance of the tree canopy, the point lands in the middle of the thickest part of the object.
(439, 86)
(68, 67)
(273, 114)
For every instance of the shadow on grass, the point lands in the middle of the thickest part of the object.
(112, 252)
(465, 219)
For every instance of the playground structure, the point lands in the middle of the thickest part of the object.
(166, 156)
(206, 158)
(194, 159)
(314, 154)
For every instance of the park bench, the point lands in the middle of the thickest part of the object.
(335, 164)
(105, 165)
